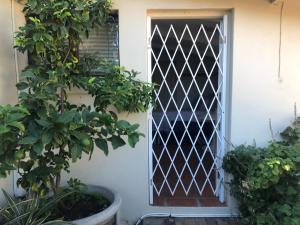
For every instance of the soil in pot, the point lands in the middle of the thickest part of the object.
(80, 205)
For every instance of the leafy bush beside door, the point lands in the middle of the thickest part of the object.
(266, 181)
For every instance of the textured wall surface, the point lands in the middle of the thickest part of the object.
(256, 93)
(10, 17)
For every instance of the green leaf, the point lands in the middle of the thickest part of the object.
(133, 139)
(117, 142)
(134, 127)
(17, 124)
(41, 171)
(38, 148)
(102, 144)
(285, 209)
(4, 129)
(66, 117)
(80, 135)
(15, 116)
(291, 191)
(47, 137)
(123, 124)
(43, 123)
(36, 37)
(32, 3)
(22, 86)
(296, 209)
(27, 74)
(29, 140)
(91, 80)
(76, 151)
(40, 48)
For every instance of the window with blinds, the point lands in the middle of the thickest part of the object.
(103, 41)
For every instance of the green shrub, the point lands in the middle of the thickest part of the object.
(11, 129)
(266, 181)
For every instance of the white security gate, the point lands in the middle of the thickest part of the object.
(187, 59)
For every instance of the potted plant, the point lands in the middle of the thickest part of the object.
(49, 132)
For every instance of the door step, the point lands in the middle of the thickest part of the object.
(188, 201)
(191, 221)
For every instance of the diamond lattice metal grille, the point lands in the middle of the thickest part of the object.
(187, 139)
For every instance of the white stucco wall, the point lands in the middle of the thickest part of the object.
(10, 16)
(256, 97)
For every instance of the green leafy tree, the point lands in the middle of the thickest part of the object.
(52, 131)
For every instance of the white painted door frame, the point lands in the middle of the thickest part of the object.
(223, 63)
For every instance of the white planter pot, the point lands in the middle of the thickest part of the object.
(107, 216)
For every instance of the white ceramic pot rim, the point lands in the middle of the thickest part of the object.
(105, 215)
